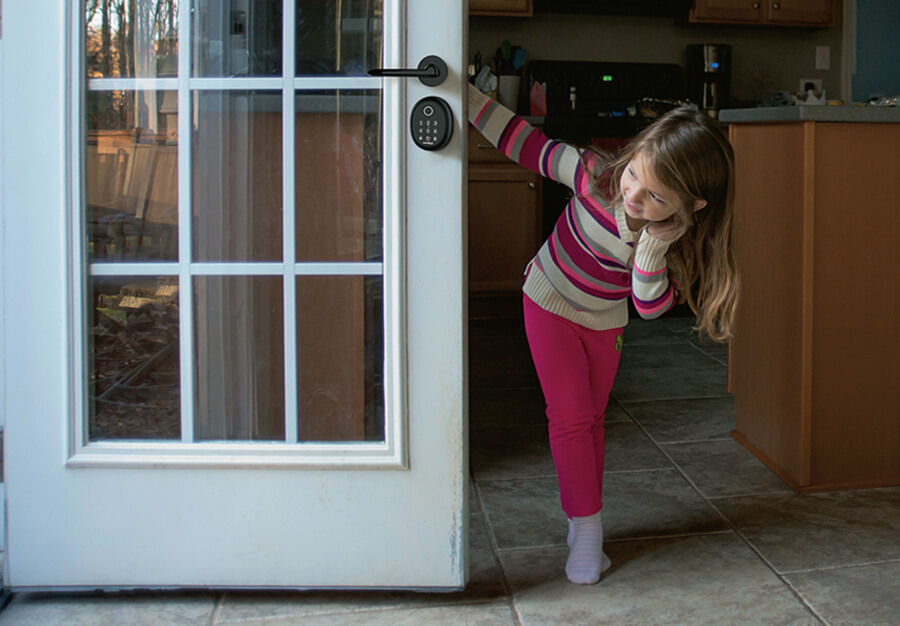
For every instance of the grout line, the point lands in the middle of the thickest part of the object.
(622, 403)
(734, 528)
(690, 441)
(706, 354)
(509, 388)
(646, 470)
(753, 494)
(833, 568)
(220, 601)
(495, 550)
(504, 479)
(551, 546)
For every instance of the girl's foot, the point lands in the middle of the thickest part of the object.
(586, 558)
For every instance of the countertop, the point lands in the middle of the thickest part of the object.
(812, 113)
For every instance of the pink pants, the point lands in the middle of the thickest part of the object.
(577, 367)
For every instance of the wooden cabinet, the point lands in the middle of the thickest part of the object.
(815, 360)
(817, 13)
(504, 218)
(512, 8)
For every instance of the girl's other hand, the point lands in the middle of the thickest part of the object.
(668, 229)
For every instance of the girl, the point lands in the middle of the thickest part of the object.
(655, 223)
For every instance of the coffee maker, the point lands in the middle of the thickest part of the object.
(708, 74)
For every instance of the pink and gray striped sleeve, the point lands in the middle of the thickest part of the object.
(523, 143)
(651, 290)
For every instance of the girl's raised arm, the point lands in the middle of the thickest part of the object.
(523, 143)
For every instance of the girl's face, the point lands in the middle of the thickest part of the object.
(646, 199)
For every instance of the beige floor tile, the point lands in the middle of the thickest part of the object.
(710, 579)
(96, 609)
(492, 614)
(867, 595)
(821, 530)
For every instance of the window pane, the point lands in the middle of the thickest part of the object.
(131, 171)
(237, 38)
(135, 389)
(239, 358)
(134, 39)
(338, 36)
(340, 354)
(338, 176)
(237, 176)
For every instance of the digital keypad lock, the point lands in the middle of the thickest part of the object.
(432, 123)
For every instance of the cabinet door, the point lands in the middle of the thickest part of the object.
(504, 226)
(727, 10)
(800, 12)
(521, 8)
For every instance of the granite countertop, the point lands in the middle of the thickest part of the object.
(812, 113)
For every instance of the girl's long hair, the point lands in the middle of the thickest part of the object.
(691, 156)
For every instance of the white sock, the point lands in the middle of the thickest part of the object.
(586, 558)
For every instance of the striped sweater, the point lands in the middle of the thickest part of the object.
(584, 272)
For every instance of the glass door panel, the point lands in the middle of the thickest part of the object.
(340, 351)
(237, 38)
(237, 174)
(338, 36)
(338, 176)
(135, 39)
(280, 247)
(134, 373)
(238, 358)
(131, 166)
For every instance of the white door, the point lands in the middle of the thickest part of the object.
(234, 296)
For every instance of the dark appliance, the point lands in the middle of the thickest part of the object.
(708, 71)
(600, 103)
(587, 100)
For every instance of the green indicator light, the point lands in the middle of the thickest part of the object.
(607, 78)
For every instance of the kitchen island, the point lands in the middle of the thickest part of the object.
(815, 361)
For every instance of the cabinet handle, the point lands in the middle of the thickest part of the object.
(756, 5)
(776, 6)
(531, 185)
(482, 146)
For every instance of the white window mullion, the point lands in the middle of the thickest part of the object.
(185, 289)
(288, 191)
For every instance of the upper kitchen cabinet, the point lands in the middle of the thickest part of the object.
(510, 8)
(814, 13)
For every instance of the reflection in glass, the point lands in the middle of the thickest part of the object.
(131, 38)
(237, 176)
(239, 358)
(338, 176)
(338, 36)
(340, 358)
(131, 175)
(134, 371)
(237, 37)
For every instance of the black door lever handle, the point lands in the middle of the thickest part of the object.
(431, 71)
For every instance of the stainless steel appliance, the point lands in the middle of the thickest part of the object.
(708, 71)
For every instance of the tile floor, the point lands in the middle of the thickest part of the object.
(699, 532)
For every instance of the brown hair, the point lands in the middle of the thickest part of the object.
(691, 156)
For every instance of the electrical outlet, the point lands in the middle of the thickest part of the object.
(816, 83)
(823, 57)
